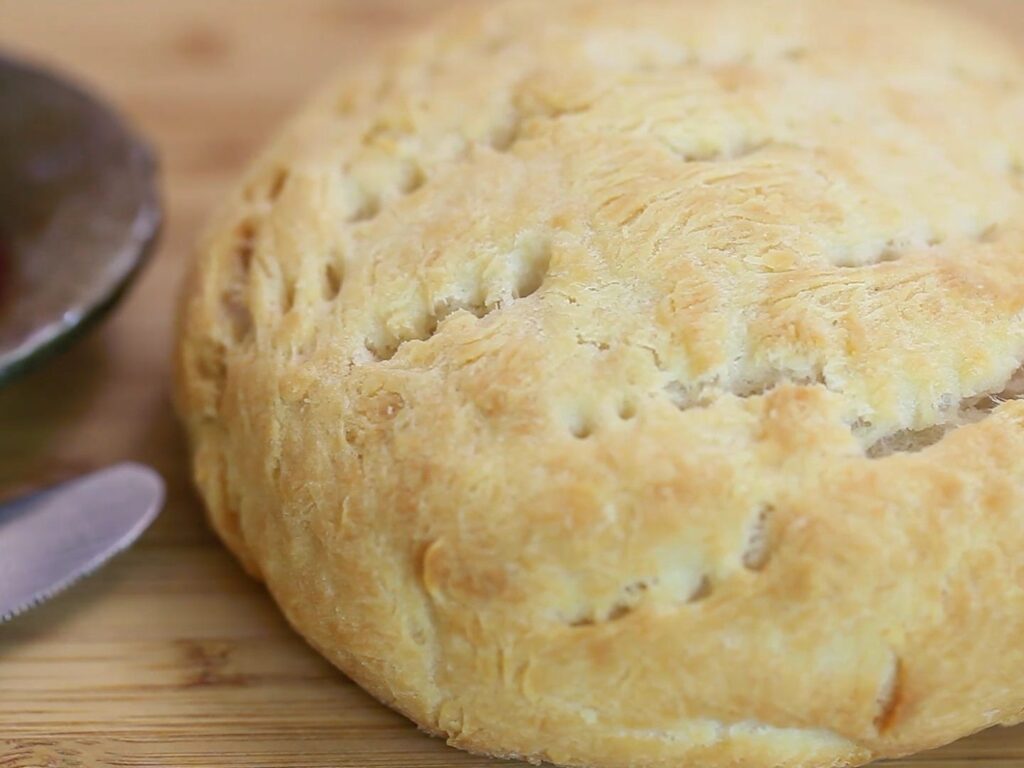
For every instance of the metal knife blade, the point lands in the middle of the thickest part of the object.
(50, 539)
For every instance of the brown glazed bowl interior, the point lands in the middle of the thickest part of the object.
(79, 212)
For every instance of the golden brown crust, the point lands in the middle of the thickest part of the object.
(622, 384)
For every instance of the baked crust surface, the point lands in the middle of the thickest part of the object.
(634, 383)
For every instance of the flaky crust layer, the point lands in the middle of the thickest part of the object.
(634, 383)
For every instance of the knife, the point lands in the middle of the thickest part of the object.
(50, 539)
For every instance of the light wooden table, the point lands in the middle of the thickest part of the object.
(170, 656)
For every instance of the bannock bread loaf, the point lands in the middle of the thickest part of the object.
(636, 383)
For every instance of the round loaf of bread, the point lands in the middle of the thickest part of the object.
(635, 383)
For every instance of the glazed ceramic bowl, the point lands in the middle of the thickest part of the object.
(79, 212)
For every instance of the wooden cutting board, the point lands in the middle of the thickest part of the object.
(171, 656)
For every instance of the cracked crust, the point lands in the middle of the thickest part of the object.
(625, 384)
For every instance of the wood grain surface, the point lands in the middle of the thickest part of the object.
(170, 656)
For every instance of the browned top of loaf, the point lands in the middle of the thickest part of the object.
(614, 382)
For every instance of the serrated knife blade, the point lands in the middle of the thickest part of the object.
(52, 538)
